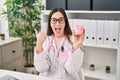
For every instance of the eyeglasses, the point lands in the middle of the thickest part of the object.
(60, 20)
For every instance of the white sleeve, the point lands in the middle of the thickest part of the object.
(74, 62)
(41, 60)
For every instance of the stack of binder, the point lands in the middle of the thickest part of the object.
(99, 32)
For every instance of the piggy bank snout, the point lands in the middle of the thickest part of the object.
(79, 30)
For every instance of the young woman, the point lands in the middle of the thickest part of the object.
(58, 53)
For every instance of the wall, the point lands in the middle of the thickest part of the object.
(3, 21)
(99, 5)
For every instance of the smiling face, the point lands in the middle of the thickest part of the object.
(57, 23)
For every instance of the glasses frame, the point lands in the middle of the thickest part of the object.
(59, 20)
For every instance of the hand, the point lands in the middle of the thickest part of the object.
(78, 40)
(41, 37)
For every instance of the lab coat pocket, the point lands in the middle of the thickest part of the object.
(63, 54)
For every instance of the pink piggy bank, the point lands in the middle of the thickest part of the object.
(78, 30)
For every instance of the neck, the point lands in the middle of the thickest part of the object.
(59, 36)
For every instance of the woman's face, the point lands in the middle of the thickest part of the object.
(57, 23)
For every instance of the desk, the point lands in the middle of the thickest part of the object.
(11, 54)
(24, 76)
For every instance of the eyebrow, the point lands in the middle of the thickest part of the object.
(56, 18)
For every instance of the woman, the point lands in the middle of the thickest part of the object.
(58, 53)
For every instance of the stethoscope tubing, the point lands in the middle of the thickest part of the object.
(51, 44)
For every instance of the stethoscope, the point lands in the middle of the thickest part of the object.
(51, 47)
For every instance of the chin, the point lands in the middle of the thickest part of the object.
(57, 35)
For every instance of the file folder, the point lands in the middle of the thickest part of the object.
(100, 32)
(93, 31)
(107, 33)
(71, 23)
(115, 33)
(75, 23)
(85, 23)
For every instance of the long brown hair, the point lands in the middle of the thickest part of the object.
(67, 30)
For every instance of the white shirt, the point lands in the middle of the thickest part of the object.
(50, 64)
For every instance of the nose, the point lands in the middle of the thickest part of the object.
(57, 22)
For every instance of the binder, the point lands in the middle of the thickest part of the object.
(93, 31)
(75, 22)
(85, 23)
(71, 23)
(107, 33)
(115, 33)
(100, 32)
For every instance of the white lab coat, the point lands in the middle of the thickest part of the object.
(49, 64)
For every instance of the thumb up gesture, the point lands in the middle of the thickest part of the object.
(41, 37)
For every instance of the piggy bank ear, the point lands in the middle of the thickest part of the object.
(82, 27)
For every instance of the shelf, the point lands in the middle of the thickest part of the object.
(100, 46)
(99, 74)
(99, 55)
(9, 40)
(76, 11)
(103, 12)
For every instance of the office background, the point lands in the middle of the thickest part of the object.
(89, 5)
(105, 5)
(99, 55)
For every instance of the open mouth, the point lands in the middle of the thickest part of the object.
(58, 30)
